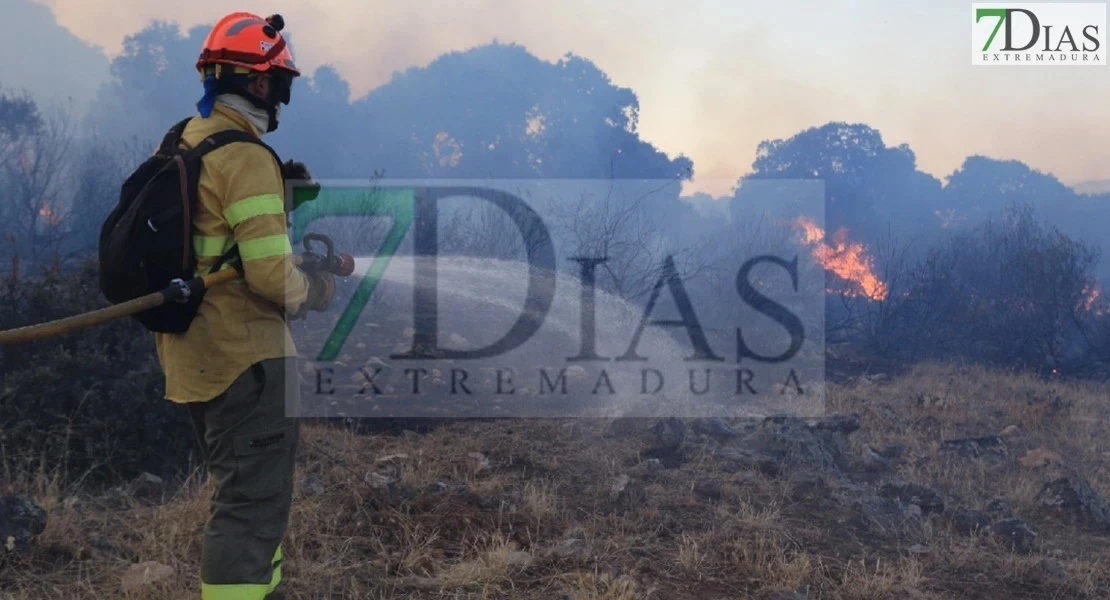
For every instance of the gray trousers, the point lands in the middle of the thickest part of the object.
(249, 447)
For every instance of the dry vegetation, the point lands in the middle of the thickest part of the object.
(527, 509)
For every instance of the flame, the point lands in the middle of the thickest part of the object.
(1091, 294)
(844, 258)
(49, 216)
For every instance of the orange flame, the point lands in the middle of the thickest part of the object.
(844, 258)
(48, 216)
(1091, 294)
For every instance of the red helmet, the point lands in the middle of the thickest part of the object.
(246, 40)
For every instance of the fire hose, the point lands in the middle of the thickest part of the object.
(340, 264)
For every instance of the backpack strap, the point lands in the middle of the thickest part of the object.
(173, 137)
(231, 136)
(208, 144)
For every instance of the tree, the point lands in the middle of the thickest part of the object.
(154, 84)
(490, 111)
(34, 174)
(498, 111)
(868, 185)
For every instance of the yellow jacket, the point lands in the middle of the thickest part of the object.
(240, 202)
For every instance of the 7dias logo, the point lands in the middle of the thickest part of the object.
(1038, 34)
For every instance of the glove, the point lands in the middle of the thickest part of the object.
(292, 169)
(321, 290)
(304, 188)
(311, 262)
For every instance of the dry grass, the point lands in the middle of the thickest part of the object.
(521, 509)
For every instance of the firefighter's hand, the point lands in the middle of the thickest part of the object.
(292, 169)
(304, 188)
(321, 290)
(311, 262)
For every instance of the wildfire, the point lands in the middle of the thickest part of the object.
(844, 258)
(49, 216)
(1091, 294)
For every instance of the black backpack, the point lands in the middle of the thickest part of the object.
(146, 243)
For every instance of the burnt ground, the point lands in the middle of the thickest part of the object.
(937, 482)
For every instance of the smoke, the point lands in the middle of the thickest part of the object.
(714, 79)
(47, 60)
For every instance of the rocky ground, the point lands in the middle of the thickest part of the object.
(944, 482)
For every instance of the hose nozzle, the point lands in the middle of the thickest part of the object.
(345, 264)
(336, 263)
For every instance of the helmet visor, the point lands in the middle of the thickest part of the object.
(282, 85)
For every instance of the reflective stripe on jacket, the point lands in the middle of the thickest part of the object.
(240, 202)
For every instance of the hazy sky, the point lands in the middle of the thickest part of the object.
(715, 78)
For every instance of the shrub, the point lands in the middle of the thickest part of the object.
(87, 404)
(1010, 291)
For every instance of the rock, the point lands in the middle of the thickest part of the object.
(626, 491)
(926, 498)
(666, 440)
(570, 548)
(482, 463)
(391, 466)
(1073, 499)
(21, 521)
(144, 574)
(1016, 535)
(928, 423)
(710, 489)
(967, 521)
(146, 485)
(669, 434)
(892, 452)
(715, 427)
(1050, 572)
(842, 424)
(795, 445)
(785, 595)
(622, 427)
(436, 488)
(620, 484)
(781, 443)
(739, 458)
(573, 544)
(873, 461)
(313, 486)
(378, 481)
(985, 446)
(650, 467)
(999, 507)
(808, 487)
(889, 514)
(1039, 458)
(104, 548)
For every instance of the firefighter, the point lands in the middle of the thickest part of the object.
(235, 365)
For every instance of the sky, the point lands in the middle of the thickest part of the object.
(714, 78)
